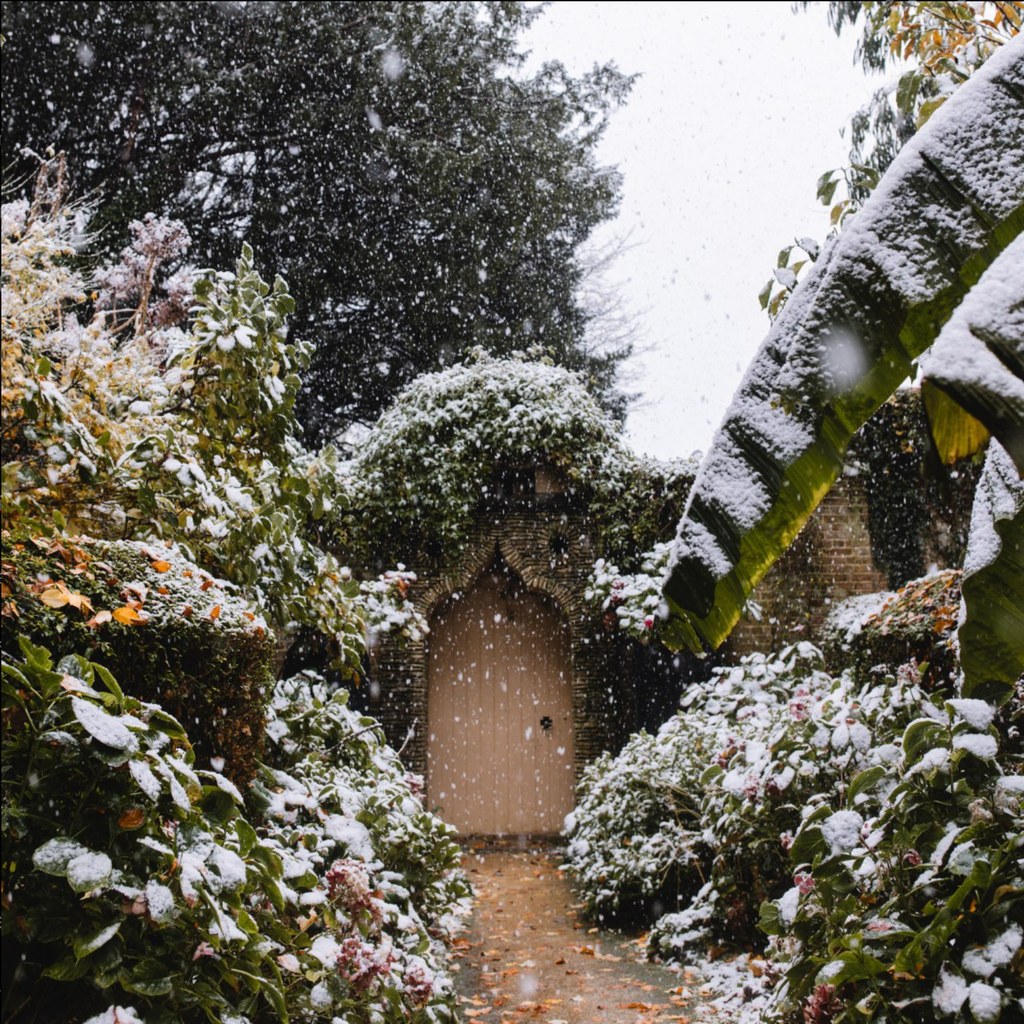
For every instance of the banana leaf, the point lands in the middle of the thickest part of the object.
(874, 301)
(992, 634)
(974, 373)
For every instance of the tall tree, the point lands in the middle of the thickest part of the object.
(420, 191)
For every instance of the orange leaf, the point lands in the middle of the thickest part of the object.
(160, 566)
(206, 585)
(187, 611)
(99, 619)
(79, 601)
(215, 612)
(163, 590)
(132, 818)
(126, 616)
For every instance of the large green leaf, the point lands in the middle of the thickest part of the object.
(992, 634)
(978, 359)
(951, 202)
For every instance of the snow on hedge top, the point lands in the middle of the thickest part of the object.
(431, 457)
(491, 406)
(157, 582)
(934, 208)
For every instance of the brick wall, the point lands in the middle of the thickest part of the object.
(830, 560)
(546, 541)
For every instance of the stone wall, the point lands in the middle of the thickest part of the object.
(546, 541)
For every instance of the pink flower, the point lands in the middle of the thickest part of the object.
(805, 883)
(419, 982)
(360, 964)
(348, 883)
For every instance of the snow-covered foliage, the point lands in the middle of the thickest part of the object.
(634, 598)
(873, 634)
(327, 888)
(714, 794)
(120, 422)
(438, 453)
(916, 911)
(386, 608)
(872, 829)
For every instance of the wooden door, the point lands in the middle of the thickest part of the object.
(499, 712)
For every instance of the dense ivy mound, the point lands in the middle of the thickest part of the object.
(169, 631)
(439, 452)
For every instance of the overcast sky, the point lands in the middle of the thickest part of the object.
(738, 112)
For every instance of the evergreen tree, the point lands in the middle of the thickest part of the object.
(419, 191)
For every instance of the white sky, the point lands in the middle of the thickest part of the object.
(738, 112)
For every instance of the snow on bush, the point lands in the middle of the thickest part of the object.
(872, 829)
(633, 598)
(121, 420)
(138, 887)
(423, 470)
(916, 914)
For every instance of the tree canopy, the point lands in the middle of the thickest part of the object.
(422, 193)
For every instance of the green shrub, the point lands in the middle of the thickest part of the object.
(705, 813)
(126, 873)
(133, 880)
(910, 900)
(167, 630)
(876, 634)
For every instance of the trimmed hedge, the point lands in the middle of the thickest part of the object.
(170, 632)
(916, 623)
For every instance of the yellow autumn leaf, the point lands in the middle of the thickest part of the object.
(55, 597)
(126, 616)
(215, 612)
(79, 601)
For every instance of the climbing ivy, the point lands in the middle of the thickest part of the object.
(909, 491)
(453, 440)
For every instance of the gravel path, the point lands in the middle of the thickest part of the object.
(527, 957)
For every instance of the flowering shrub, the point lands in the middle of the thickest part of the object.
(136, 882)
(909, 904)
(632, 598)
(718, 796)
(873, 828)
(705, 798)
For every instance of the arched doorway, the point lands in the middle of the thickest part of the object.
(500, 709)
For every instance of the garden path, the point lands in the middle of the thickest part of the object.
(527, 957)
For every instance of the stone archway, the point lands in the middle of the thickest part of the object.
(500, 713)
